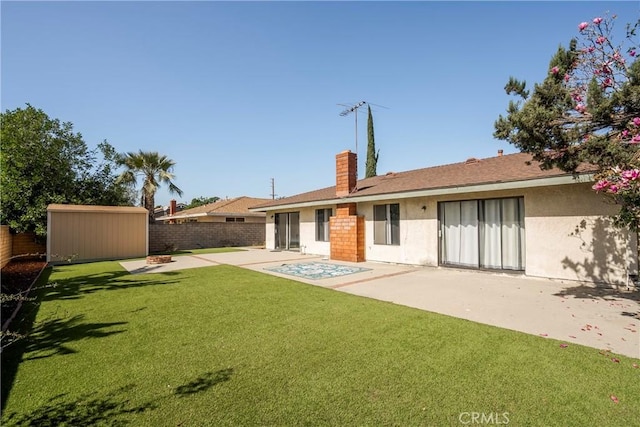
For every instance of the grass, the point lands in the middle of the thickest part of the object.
(202, 251)
(225, 346)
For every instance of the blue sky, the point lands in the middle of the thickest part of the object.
(238, 93)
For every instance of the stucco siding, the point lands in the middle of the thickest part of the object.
(308, 242)
(570, 236)
(568, 233)
(415, 231)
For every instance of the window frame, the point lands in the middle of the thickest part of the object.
(323, 232)
(386, 224)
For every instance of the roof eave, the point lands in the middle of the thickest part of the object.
(493, 186)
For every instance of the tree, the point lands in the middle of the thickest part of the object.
(587, 110)
(154, 169)
(372, 154)
(201, 201)
(44, 161)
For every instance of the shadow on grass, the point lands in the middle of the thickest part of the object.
(76, 287)
(204, 382)
(93, 409)
(23, 323)
(52, 336)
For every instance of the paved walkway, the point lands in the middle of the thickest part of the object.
(563, 310)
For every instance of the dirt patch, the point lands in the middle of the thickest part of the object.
(16, 277)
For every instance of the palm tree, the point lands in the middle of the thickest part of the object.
(154, 169)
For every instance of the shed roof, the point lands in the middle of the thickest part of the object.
(95, 208)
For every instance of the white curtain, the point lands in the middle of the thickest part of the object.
(460, 233)
(451, 232)
(491, 239)
(511, 233)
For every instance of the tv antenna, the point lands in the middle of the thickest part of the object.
(351, 109)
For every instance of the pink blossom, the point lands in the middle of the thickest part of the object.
(567, 77)
(597, 21)
(631, 174)
(583, 25)
(591, 49)
(632, 52)
(555, 70)
(636, 139)
(618, 58)
(625, 133)
(601, 40)
(607, 82)
(580, 108)
(613, 188)
(601, 185)
(636, 121)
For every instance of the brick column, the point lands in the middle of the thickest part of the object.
(347, 234)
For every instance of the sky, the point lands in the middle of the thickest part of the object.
(242, 94)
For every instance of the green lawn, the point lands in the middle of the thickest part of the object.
(225, 346)
(204, 251)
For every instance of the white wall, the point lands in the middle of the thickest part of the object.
(418, 233)
(568, 233)
(308, 243)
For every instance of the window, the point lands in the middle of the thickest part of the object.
(322, 224)
(233, 219)
(483, 233)
(386, 228)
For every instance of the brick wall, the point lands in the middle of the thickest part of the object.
(27, 244)
(13, 245)
(194, 235)
(5, 245)
(347, 234)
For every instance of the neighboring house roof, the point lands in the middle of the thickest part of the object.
(238, 206)
(470, 175)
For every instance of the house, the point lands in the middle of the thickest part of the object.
(228, 210)
(166, 210)
(502, 213)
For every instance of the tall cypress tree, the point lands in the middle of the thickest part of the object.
(372, 155)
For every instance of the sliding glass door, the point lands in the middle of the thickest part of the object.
(287, 231)
(483, 233)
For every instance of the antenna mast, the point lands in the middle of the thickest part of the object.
(273, 188)
(354, 108)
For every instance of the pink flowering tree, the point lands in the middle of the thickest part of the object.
(586, 111)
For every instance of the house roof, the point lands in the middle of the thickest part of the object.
(238, 206)
(473, 172)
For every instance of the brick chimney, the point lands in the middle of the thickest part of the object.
(346, 173)
(172, 211)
